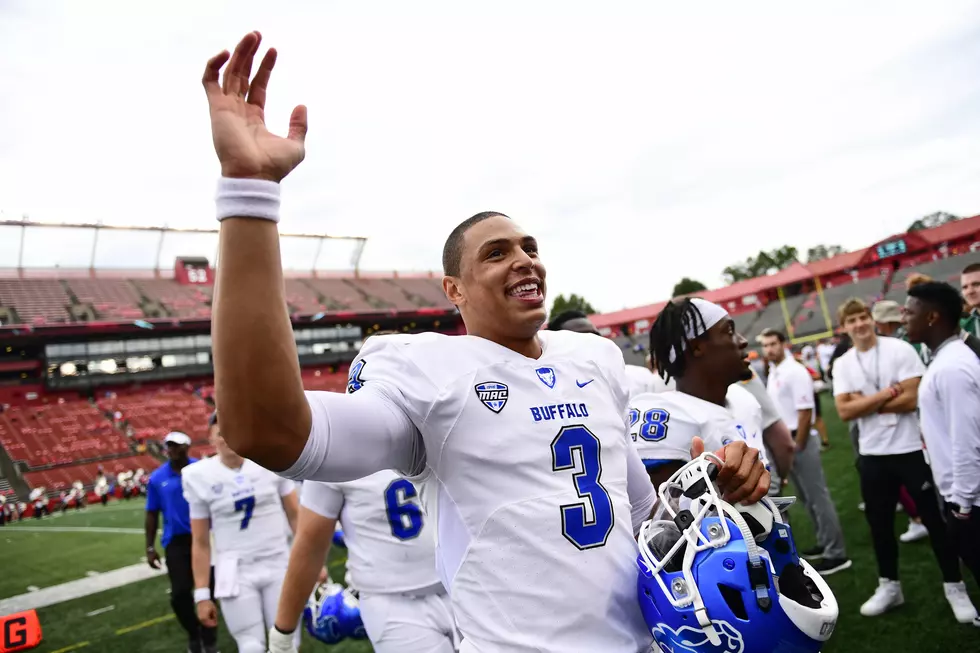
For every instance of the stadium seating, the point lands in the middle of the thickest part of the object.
(424, 292)
(154, 413)
(36, 301)
(180, 301)
(61, 478)
(943, 269)
(302, 299)
(870, 290)
(111, 298)
(340, 295)
(58, 433)
(383, 293)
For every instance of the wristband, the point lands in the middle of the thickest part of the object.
(247, 198)
(202, 594)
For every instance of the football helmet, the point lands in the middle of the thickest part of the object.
(332, 614)
(722, 578)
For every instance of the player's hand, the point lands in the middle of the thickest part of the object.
(153, 558)
(280, 642)
(743, 477)
(245, 148)
(323, 577)
(207, 614)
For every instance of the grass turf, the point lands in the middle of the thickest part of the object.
(924, 623)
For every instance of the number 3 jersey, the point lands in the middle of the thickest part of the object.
(528, 477)
(390, 547)
(244, 506)
(663, 424)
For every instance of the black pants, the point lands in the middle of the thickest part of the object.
(181, 575)
(881, 479)
(966, 536)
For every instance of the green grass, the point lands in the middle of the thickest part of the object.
(924, 624)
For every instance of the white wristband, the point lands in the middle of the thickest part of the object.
(202, 594)
(247, 198)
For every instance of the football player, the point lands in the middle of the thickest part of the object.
(519, 434)
(245, 508)
(694, 341)
(391, 562)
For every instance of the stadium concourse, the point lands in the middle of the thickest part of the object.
(98, 364)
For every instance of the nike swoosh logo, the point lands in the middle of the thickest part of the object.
(582, 385)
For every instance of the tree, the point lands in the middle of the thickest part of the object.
(762, 264)
(688, 286)
(932, 220)
(574, 302)
(821, 252)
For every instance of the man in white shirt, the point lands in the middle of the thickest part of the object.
(876, 384)
(949, 408)
(825, 351)
(391, 561)
(791, 389)
(518, 435)
(243, 509)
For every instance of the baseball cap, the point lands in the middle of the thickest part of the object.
(886, 312)
(177, 438)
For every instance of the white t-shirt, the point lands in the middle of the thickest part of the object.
(825, 351)
(664, 424)
(390, 547)
(890, 361)
(530, 478)
(756, 388)
(949, 408)
(244, 506)
(642, 380)
(791, 389)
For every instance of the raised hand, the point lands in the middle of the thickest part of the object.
(244, 146)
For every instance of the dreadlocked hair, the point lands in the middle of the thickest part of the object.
(669, 336)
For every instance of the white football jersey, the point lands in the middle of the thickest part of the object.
(244, 505)
(390, 547)
(525, 464)
(664, 424)
(641, 380)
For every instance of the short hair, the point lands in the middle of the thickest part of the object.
(668, 337)
(557, 322)
(774, 333)
(915, 279)
(942, 298)
(852, 306)
(971, 268)
(452, 251)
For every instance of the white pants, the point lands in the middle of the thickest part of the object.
(251, 613)
(396, 623)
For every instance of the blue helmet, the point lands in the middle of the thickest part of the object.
(718, 578)
(332, 614)
(338, 537)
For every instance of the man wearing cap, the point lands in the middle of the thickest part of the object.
(887, 316)
(165, 493)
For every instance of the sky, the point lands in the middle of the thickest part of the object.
(640, 142)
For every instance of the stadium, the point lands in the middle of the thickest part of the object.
(99, 363)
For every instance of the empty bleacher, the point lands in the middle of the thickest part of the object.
(940, 269)
(58, 433)
(153, 414)
(61, 478)
(382, 294)
(180, 301)
(111, 298)
(302, 299)
(340, 295)
(425, 292)
(36, 301)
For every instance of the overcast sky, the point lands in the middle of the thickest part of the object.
(639, 142)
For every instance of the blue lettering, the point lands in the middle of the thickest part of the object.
(536, 413)
(559, 411)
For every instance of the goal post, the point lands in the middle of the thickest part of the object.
(824, 311)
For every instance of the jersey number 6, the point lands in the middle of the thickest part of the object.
(578, 527)
(404, 515)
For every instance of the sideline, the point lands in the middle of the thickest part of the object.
(75, 589)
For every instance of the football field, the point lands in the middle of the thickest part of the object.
(137, 617)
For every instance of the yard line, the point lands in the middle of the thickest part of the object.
(78, 588)
(75, 529)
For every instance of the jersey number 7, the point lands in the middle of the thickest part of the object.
(246, 505)
(580, 528)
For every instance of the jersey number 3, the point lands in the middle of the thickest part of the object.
(404, 515)
(584, 530)
(245, 505)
